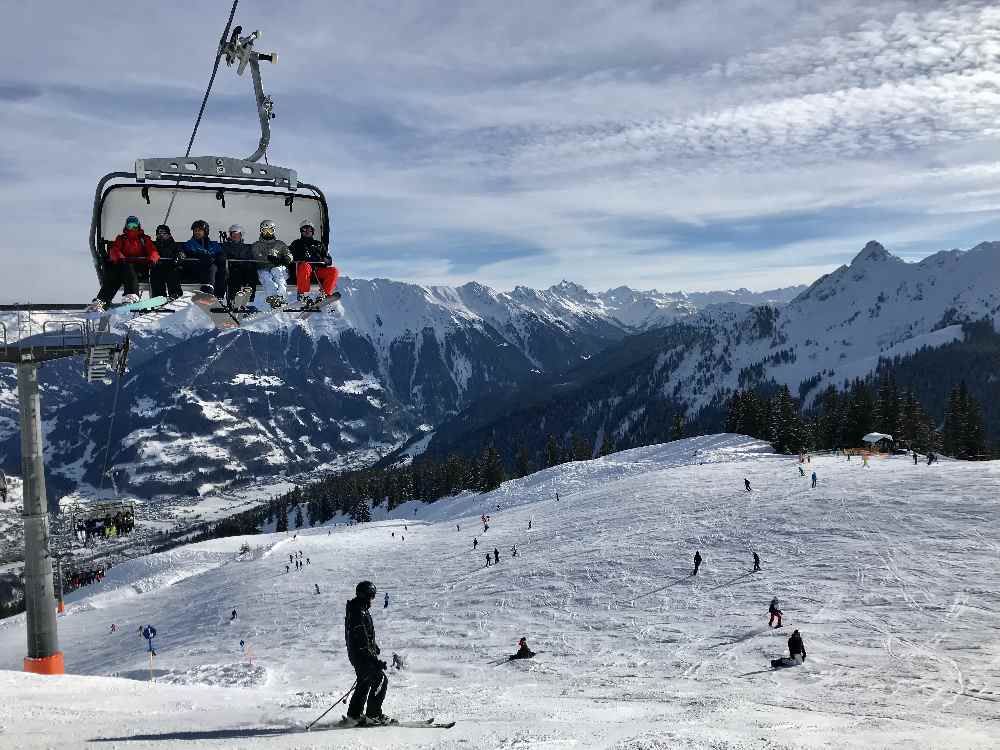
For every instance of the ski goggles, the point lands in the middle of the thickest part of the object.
(131, 224)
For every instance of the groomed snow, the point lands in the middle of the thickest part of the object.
(890, 572)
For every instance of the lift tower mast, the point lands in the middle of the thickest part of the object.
(104, 352)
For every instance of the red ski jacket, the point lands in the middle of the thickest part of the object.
(133, 244)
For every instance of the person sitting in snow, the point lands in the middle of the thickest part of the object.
(523, 652)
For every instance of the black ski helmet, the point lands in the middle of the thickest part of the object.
(365, 590)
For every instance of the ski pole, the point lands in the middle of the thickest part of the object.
(337, 702)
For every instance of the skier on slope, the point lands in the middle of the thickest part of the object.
(363, 653)
(233, 615)
(774, 612)
(746, 483)
(756, 562)
(802, 472)
(496, 556)
(385, 604)
(274, 257)
(523, 652)
(697, 562)
(475, 543)
(814, 480)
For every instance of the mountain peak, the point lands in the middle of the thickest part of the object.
(571, 289)
(873, 252)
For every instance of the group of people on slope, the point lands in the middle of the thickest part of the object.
(228, 269)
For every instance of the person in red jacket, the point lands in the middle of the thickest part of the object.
(130, 247)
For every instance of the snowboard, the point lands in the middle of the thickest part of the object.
(123, 308)
(219, 315)
(784, 662)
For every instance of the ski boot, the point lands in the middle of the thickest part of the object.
(130, 299)
(380, 721)
(96, 305)
(350, 721)
(276, 301)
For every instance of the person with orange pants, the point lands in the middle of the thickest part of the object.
(312, 256)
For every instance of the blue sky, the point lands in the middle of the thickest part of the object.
(669, 144)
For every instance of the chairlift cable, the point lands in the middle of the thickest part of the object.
(204, 100)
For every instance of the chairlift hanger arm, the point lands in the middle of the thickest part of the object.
(240, 49)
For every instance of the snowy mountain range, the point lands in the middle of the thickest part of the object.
(838, 329)
(199, 409)
(452, 365)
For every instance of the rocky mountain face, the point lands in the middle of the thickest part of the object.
(878, 307)
(199, 409)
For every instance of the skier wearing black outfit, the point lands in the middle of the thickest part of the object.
(697, 562)
(363, 653)
(165, 277)
(746, 483)
(756, 562)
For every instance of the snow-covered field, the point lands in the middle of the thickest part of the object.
(891, 574)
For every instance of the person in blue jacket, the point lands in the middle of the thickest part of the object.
(210, 257)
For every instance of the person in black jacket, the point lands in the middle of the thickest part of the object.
(523, 652)
(242, 269)
(312, 257)
(795, 646)
(363, 653)
(165, 277)
(697, 562)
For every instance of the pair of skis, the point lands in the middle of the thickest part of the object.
(421, 724)
(227, 318)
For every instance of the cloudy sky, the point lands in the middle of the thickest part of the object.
(675, 144)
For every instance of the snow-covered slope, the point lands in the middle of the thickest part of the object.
(889, 573)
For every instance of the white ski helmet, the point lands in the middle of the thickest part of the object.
(268, 228)
(307, 223)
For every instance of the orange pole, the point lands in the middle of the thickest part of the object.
(45, 665)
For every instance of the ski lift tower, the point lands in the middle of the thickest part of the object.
(105, 352)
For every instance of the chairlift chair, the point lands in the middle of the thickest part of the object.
(221, 190)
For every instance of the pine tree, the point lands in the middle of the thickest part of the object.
(282, 518)
(953, 440)
(522, 462)
(552, 452)
(607, 445)
(298, 516)
(677, 428)
(491, 472)
(581, 448)
(786, 423)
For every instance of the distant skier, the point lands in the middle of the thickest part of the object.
(915, 458)
(308, 562)
(496, 556)
(557, 496)
(317, 587)
(287, 569)
(802, 472)
(457, 527)
(513, 550)
(523, 652)
(291, 558)
(746, 483)
(486, 527)
(814, 480)
(774, 612)
(475, 543)
(529, 524)
(756, 562)
(363, 653)
(233, 615)
(697, 562)
(489, 560)
(385, 604)
(114, 628)
(149, 633)
(397, 661)
(243, 645)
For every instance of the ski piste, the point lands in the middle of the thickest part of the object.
(419, 724)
